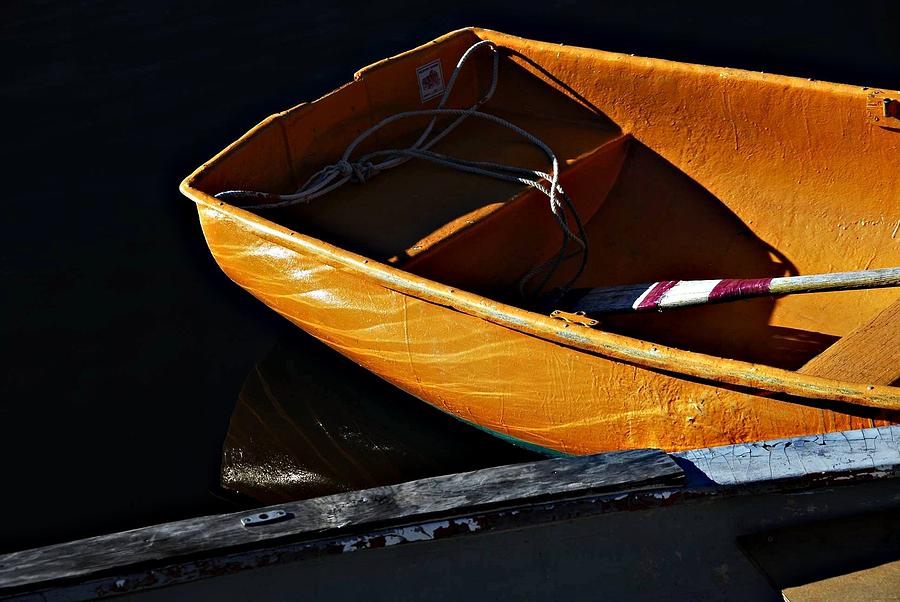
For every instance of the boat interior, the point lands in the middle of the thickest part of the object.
(650, 209)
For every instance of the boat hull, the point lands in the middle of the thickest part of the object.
(529, 389)
(563, 387)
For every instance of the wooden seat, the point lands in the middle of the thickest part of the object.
(870, 354)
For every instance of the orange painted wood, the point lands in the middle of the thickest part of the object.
(725, 172)
(869, 354)
(500, 233)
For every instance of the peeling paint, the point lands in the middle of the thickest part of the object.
(424, 532)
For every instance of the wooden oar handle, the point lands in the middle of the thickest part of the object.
(669, 294)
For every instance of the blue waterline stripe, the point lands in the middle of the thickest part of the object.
(553, 453)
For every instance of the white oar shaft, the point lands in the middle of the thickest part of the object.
(835, 282)
(669, 294)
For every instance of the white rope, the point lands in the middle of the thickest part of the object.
(367, 166)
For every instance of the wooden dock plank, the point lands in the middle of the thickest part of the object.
(545, 480)
(609, 489)
(880, 582)
(855, 557)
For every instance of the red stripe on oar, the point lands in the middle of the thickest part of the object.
(658, 290)
(729, 289)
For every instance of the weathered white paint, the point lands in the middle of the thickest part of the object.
(688, 292)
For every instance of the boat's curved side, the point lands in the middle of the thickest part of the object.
(528, 376)
(519, 385)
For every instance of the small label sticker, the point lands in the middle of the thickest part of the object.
(431, 80)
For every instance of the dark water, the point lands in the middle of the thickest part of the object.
(124, 349)
(310, 422)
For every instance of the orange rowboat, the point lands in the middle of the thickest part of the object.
(411, 262)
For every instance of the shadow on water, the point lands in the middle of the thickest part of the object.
(310, 422)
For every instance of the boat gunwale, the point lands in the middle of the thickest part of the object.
(645, 354)
(794, 81)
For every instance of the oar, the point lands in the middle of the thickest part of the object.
(670, 294)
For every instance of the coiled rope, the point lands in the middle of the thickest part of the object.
(371, 164)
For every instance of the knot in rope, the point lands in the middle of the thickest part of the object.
(358, 172)
(344, 167)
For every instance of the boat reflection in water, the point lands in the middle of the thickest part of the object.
(309, 422)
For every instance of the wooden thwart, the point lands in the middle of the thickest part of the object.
(870, 354)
